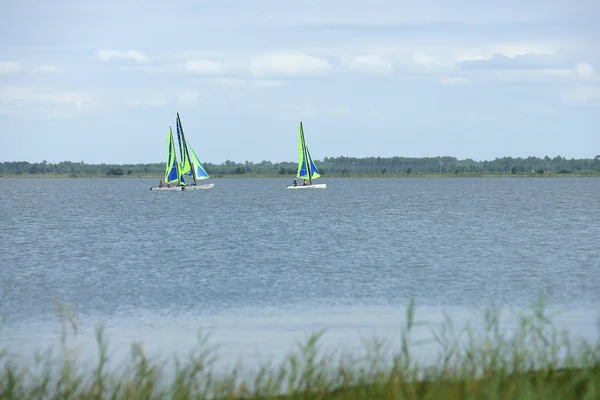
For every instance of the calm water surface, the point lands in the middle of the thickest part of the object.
(260, 266)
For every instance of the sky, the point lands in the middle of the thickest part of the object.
(101, 82)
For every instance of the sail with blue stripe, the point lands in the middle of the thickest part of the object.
(193, 167)
(197, 168)
(172, 170)
(185, 162)
(306, 166)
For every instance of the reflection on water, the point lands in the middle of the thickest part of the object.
(256, 336)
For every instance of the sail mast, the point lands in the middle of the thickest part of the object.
(187, 153)
(306, 159)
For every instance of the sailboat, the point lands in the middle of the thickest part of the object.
(190, 165)
(307, 170)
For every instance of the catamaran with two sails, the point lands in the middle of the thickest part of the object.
(307, 170)
(190, 165)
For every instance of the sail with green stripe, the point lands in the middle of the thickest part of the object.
(197, 168)
(306, 167)
(183, 151)
(193, 167)
(172, 169)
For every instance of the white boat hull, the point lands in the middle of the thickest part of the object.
(180, 188)
(174, 188)
(198, 187)
(317, 186)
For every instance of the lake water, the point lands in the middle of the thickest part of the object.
(258, 266)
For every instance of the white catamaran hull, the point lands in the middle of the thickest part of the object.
(317, 186)
(180, 188)
(198, 187)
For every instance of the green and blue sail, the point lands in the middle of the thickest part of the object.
(173, 169)
(306, 167)
(190, 165)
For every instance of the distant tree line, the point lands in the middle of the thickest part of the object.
(329, 165)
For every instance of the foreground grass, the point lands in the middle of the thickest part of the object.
(535, 362)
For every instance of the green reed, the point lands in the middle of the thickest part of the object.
(536, 361)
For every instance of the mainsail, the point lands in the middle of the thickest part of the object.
(183, 153)
(190, 165)
(306, 167)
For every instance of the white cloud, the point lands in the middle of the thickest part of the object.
(257, 83)
(107, 55)
(341, 111)
(9, 67)
(427, 61)
(545, 75)
(374, 63)
(506, 49)
(289, 64)
(453, 80)
(149, 102)
(23, 93)
(583, 94)
(268, 83)
(204, 67)
(232, 82)
(375, 114)
(187, 97)
(584, 70)
(540, 110)
(48, 69)
(297, 112)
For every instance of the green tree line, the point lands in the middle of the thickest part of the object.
(328, 165)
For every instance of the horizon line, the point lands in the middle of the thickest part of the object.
(295, 161)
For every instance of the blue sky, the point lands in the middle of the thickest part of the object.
(102, 81)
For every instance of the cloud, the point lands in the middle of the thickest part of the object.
(428, 62)
(584, 70)
(232, 82)
(289, 64)
(267, 83)
(107, 55)
(510, 50)
(257, 83)
(453, 80)
(501, 61)
(373, 63)
(522, 63)
(8, 67)
(540, 110)
(297, 112)
(204, 67)
(582, 94)
(341, 111)
(48, 69)
(373, 113)
(149, 102)
(187, 97)
(30, 94)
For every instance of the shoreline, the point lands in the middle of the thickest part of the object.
(290, 177)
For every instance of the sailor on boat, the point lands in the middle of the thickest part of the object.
(294, 184)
